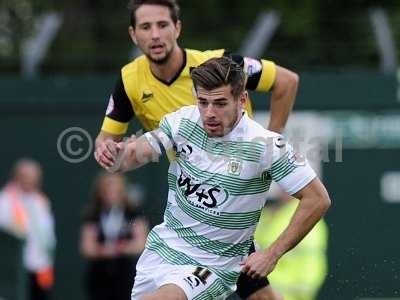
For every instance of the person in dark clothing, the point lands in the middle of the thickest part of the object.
(113, 236)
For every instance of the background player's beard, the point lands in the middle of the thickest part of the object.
(163, 60)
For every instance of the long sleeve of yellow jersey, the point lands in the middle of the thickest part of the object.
(119, 111)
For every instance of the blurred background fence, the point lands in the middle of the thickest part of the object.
(348, 83)
(92, 35)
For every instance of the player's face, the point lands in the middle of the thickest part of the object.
(219, 110)
(155, 32)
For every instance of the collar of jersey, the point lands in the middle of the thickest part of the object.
(170, 82)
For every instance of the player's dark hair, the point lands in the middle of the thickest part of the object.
(172, 5)
(217, 72)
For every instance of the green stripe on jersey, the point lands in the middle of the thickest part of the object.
(166, 128)
(156, 244)
(203, 243)
(249, 151)
(224, 220)
(282, 167)
(171, 182)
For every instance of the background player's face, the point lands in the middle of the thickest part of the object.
(219, 110)
(155, 32)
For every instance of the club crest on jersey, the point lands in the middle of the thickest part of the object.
(147, 95)
(235, 166)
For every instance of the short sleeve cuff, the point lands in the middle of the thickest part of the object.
(301, 184)
(297, 180)
(160, 142)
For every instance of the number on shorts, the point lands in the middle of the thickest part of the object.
(202, 274)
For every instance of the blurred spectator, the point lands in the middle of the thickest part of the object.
(301, 272)
(25, 212)
(112, 238)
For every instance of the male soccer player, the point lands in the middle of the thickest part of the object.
(158, 83)
(218, 183)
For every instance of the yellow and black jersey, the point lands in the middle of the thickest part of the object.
(138, 92)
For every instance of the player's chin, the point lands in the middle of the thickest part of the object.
(214, 133)
(159, 59)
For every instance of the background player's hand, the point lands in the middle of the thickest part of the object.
(122, 150)
(259, 264)
(106, 153)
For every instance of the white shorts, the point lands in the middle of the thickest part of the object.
(153, 272)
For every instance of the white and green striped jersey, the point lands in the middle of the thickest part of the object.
(217, 188)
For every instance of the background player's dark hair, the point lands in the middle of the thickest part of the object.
(217, 72)
(172, 5)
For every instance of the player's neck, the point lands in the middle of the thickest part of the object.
(238, 119)
(166, 72)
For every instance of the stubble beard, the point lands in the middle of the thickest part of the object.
(163, 60)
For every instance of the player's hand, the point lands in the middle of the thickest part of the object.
(106, 153)
(259, 264)
(123, 152)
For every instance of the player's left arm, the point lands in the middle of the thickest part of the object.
(291, 171)
(314, 202)
(264, 76)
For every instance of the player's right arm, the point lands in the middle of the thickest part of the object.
(115, 124)
(136, 152)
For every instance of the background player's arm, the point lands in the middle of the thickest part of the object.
(314, 202)
(283, 95)
(103, 150)
(115, 124)
(265, 76)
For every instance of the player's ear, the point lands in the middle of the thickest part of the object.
(243, 98)
(132, 34)
(178, 27)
